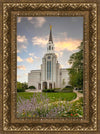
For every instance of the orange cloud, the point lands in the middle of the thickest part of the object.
(31, 54)
(69, 45)
(30, 60)
(26, 74)
(59, 54)
(39, 41)
(19, 59)
(21, 47)
(36, 57)
(18, 76)
(61, 65)
(21, 39)
(21, 67)
(68, 63)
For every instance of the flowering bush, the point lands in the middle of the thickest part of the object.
(41, 106)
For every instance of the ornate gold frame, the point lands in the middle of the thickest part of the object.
(10, 11)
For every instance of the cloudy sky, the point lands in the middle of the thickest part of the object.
(32, 39)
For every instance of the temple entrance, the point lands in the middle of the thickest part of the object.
(39, 86)
(44, 85)
(50, 85)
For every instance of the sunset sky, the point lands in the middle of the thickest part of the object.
(32, 39)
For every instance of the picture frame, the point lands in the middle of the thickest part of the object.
(9, 13)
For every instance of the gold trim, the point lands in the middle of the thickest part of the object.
(9, 68)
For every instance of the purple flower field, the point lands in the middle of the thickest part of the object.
(41, 106)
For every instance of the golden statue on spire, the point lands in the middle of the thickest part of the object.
(50, 27)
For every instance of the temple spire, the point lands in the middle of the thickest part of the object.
(50, 45)
(50, 36)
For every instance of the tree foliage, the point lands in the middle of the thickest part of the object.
(32, 87)
(76, 70)
(21, 86)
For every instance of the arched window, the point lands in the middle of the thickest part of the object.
(49, 47)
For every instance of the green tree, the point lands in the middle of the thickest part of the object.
(76, 70)
(21, 86)
(25, 85)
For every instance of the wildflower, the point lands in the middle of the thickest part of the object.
(23, 113)
(29, 115)
(33, 115)
(71, 114)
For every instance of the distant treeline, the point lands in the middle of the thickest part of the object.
(21, 86)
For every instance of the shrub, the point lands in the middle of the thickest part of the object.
(81, 99)
(79, 88)
(67, 89)
(48, 90)
(20, 90)
(57, 88)
(32, 87)
(80, 91)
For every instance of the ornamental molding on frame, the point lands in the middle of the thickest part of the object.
(51, 6)
(72, 7)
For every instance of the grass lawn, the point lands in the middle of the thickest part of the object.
(51, 96)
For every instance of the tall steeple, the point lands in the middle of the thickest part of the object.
(50, 36)
(50, 45)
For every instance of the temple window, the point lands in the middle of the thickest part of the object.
(49, 47)
(48, 70)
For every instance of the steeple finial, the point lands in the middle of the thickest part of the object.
(50, 36)
(50, 27)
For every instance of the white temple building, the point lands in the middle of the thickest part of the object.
(51, 74)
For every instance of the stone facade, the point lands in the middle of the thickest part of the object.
(51, 74)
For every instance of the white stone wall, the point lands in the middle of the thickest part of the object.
(43, 69)
(65, 77)
(54, 68)
(57, 75)
(34, 77)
